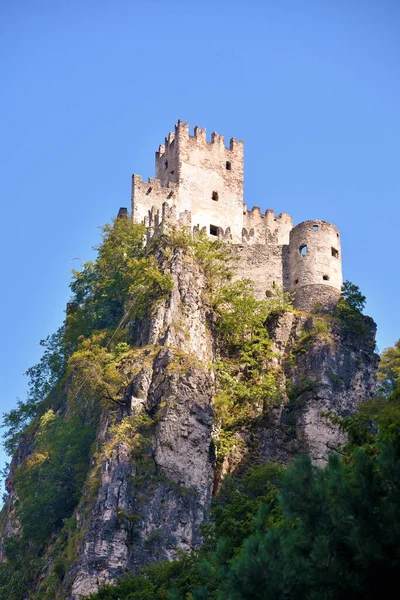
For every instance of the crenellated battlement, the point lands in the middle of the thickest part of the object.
(199, 185)
(182, 135)
(265, 228)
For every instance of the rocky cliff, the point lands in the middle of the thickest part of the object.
(156, 460)
(151, 505)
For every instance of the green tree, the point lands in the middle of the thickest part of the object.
(389, 369)
(353, 296)
(101, 289)
(340, 537)
(349, 309)
(44, 380)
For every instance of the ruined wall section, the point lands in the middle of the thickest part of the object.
(315, 264)
(266, 228)
(167, 159)
(263, 256)
(148, 196)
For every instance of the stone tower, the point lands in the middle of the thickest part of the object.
(196, 176)
(315, 264)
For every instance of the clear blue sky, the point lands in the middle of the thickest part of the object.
(90, 88)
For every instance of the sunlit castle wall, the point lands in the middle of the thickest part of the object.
(210, 178)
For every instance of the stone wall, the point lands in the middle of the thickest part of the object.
(262, 264)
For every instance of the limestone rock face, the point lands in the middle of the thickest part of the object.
(147, 512)
(332, 371)
(11, 525)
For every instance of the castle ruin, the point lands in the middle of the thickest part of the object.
(199, 184)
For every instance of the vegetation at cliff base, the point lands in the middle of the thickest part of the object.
(306, 532)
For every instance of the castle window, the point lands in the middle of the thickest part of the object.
(172, 172)
(315, 227)
(296, 281)
(228, 165)
(215, 196)
(213, 230)
(325, 277)
(149, 191)
(303, 250)
(166, 164)
(335, 253)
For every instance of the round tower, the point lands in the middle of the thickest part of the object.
(315, 265)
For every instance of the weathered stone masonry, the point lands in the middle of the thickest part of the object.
(199, 184)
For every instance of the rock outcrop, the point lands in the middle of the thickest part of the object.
(153, 473)
(147, 509)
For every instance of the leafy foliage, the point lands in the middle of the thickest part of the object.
(353, 296)
(20, 571)
(349, 308)
(49, 482)
(389, 369)
(246, 382)
(44, 383)
(123, 283)
(236, 507)
(214, 256)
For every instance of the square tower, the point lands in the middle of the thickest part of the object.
(194, 175)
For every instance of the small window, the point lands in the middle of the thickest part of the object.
(296, 281)
(149, 191)
(228, 165)
(172, 172)
(325, 277)
(213, 230)
(303, 250)
(335, 253)
(315, 227)
(166, 164)
(215, 196)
